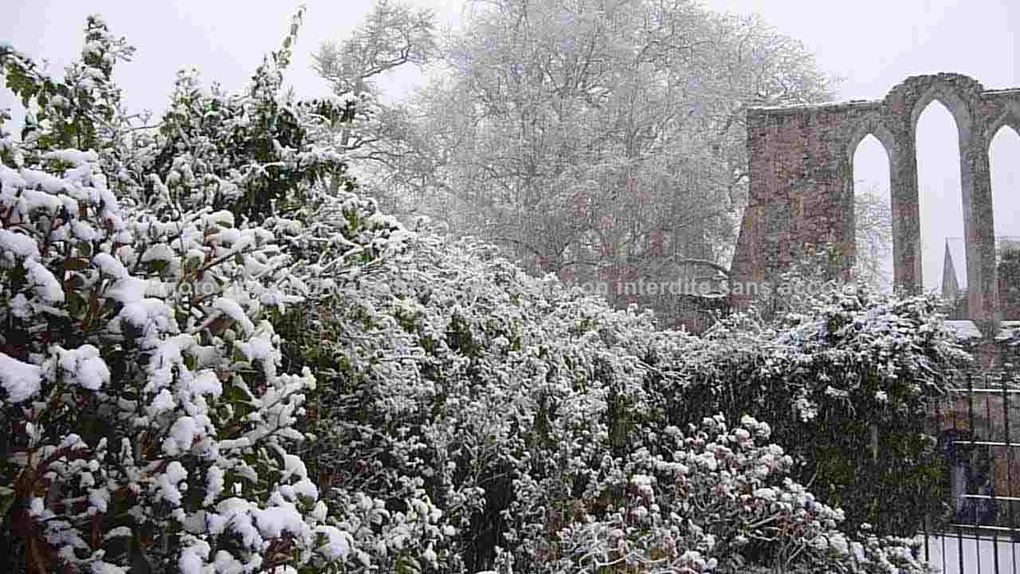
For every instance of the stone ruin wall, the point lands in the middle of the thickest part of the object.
(801, 181)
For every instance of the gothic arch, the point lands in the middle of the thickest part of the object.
(958, 106)
(872, 125)
(1010, 117)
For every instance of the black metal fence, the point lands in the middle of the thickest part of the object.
(979, 434)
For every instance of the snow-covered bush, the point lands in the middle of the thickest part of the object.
(713, 500)
(82, 110)
(252, 152)
(472, 416)
(847, 383)
(147, 422)
(248, 152)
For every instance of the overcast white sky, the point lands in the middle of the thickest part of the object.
(871, 44)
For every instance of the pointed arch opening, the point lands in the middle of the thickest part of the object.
(1003, 154)
(940, 198)
(873, 241)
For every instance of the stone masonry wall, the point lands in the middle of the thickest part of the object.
(801, 181)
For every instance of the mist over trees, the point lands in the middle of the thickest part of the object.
(602, 141)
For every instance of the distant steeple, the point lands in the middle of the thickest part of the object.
(950, 285)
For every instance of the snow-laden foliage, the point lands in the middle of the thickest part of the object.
(472, 416)
(147, 422)
(246, 152)
(184, 305)
(251, 152)
(714, 500)
(848, 381)
(81, 110)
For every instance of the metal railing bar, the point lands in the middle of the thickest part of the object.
(959, 548)
(943, 553)
(990, 497)
(984, 527)
(1009, 469)
(927, 551)
(988, 443)
(942, 539)
(973, 434)
(995, 535)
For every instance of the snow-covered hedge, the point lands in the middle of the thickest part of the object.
(475, 417)
(714, 499)
(848, 384)
(184, 307)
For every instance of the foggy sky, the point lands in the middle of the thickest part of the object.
(871, 44)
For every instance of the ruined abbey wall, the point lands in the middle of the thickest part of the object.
(801, 180)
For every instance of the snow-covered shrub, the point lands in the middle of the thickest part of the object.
(248, 152)
(713, 500)
(472, 416)
(847, 383)
(147, 422)
(82, 110)
(252, 152)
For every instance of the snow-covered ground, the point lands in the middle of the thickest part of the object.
(978, 555)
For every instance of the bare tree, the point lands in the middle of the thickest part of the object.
(873, 231)
(601, 140)
(393, 35)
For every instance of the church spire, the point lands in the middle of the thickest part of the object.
(950, 285)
